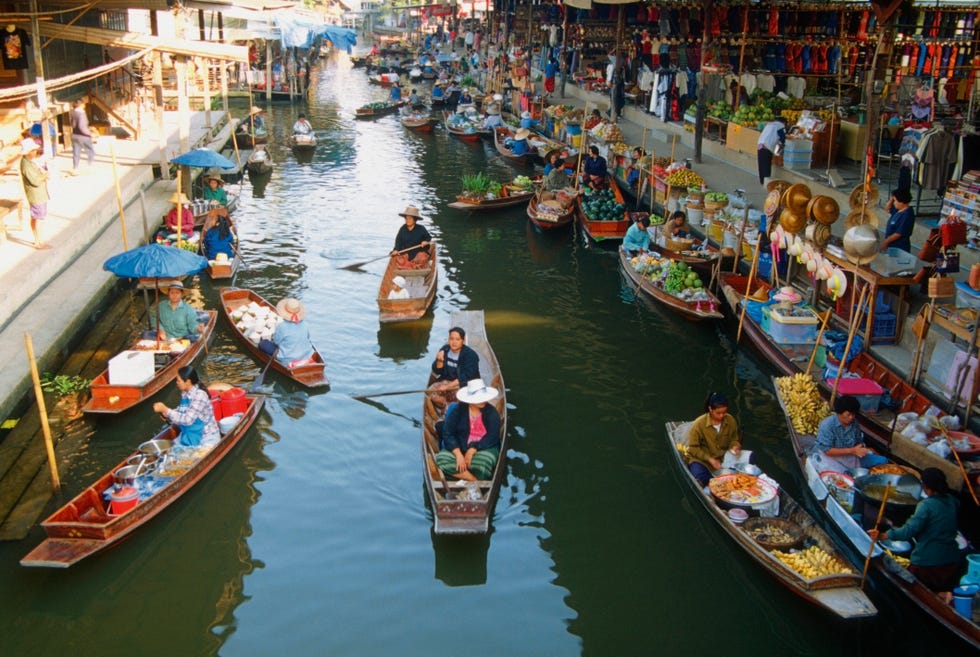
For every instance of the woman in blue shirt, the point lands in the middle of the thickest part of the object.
(292, 335)
(520, 146)
(471, 434)
(637, 238)
(595, 168)
(901, 221)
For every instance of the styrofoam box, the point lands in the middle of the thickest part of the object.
(792, 330)
(966, 296)
(131, 368)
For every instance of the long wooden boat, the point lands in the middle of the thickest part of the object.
(110, 398)
(310, 375)
(302, 142)
(373, 112)
(383, 79)
(838, 592)
(471, 133)
(86, 526)
(692, 310)
(200, 218)
(421, 284)
(259, 162)
(500, 134)
(247, 140)
(855, 537)
(419, 123)
(546, 220)
(456, 510)
(508, 198)
(599, 231)
(790, 359)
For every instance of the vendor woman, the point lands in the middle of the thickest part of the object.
(840, 438)
(195, 414)
(711, 435)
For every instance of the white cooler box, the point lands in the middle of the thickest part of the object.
(131, 368)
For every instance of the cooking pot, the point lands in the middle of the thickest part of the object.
(905, 494)
(144, 463)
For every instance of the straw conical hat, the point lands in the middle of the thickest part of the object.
(823, 209)
(777, 186)
(796, 197)
(855, 200)
(182, 199)
(860, 217)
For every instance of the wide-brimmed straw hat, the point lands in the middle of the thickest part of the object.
(791, 222)
(493, 108)
(523, 133)
(856, 199)
(255, 110)
(221, 257)
(28, 146)
(796, 197)
(476, 392)
(175, 285)
(823, 209)
(860, 216)
(213, 176)
(291, 309)
(411, 211)
(181, 198)
(777, 186)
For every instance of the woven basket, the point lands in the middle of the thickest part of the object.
(757, 527)
(714, 205)
(941, 286)
(678, 244)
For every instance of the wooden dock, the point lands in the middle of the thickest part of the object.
(25, 477)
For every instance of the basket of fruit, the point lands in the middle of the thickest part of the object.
(773, 533)
(715, 201)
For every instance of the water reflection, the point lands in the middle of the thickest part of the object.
(461, 560)
(402, 341)
(259, 181)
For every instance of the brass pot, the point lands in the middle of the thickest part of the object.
(823, 209)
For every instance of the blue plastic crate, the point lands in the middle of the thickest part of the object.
(884, 326)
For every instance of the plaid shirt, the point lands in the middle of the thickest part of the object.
(197, 407)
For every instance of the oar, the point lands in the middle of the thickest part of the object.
(257, 384)
(871, 548)
(356, 265)
(389, 394)
(966, 477)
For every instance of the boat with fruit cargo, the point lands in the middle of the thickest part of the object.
(463, 507)
(481, 192)
(839, 495)
(144, 369)
(238, 303)
(777, 533)
(602, 214)
(421, 286)
(551, 214)
(378, 108)
(672, 284)
(134, 492)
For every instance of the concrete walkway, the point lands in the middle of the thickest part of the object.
(50, 293)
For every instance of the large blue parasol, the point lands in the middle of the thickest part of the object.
(203, 158)
(155, 261)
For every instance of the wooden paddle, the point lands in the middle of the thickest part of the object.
(389, 394)
(257, 383)
(357, 265)
(949, 440)
(434, 467)
(871, 548)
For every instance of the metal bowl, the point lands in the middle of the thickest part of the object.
(158, 447)
(144, 463)
(855, 473)
(126, 475)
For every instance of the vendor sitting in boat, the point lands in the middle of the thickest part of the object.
(493, 119)
(214, 189)
(840, 438)
(398, 289)
(464, 98)
(526, 120)
(219, 238)
(595, 169)
(176, 319)
(555, 177)
(396, 92)
(594, 119)
(520, 146)
(254, 122)
(711, 435)
(677, 227)
(633, 171)
(412, 242)
(195, 413)
(302, 126)
(414, 100)
(471, 434)
(455, 362)
(637, 239)
(437, 92)
(292, 336)
(186, 216)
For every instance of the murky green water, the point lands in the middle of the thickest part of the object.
(313, 537)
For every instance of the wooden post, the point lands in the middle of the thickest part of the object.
(146, 231)
(43, 412)
(180, 213)
(119, 201)
(816, 345)
(238, 154)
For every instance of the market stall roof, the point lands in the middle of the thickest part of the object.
(139, 41)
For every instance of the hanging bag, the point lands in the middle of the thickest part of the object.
(948, 262)
(953, 232)
(930, 249)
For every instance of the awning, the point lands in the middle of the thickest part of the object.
(136, 41)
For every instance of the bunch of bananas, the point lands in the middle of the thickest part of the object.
(813, 562)
(901, 561)
(804, 405)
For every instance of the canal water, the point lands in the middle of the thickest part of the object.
(313, 537)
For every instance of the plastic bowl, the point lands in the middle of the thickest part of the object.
(226, 424)
(738, 516)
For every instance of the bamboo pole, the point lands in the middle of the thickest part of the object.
(748, 288)
(959, 462)
(852, 330)
(238, 154)
(43, 412)
(741, 238)
(119, 201)
(653, 181)
(673, 148)
(581, 146)
(741, 60)
(180, 212)
(871, 548)
(919, 341)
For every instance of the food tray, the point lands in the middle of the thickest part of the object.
(773, 533)
(893, 468)
(741, 490)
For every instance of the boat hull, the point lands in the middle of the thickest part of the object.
(696, 311)
(420, 282)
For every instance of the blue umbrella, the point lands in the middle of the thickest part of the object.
(204, 158)
(155, 261)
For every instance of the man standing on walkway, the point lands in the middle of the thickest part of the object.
(35, 181)
(81, 136)
(772, 139)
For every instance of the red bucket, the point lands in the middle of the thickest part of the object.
(216, 405)
(122, 500)
(233, 401)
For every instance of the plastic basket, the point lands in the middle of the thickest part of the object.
(884, 325)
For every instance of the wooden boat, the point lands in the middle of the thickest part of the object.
(421, 284)
(853, 535)
(374, 110)
(85, 526)
(247, 140)
(451, 513)
(471, 132)
(604, 230)
(200, 218)
(790, 359)
(547, 220)
(501, 133)
(224, 269)
(108, 397)
(359, 61)
(303, 142)
(259, 162)
(693, 310)
(383, 79)
(509, 197)
(839, 593)
(419, 122)
(310, 375)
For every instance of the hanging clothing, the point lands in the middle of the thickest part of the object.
(937, 153)
(14, 53)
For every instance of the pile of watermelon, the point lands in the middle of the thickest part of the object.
(602, 206)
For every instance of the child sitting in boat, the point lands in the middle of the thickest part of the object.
(398, 290)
